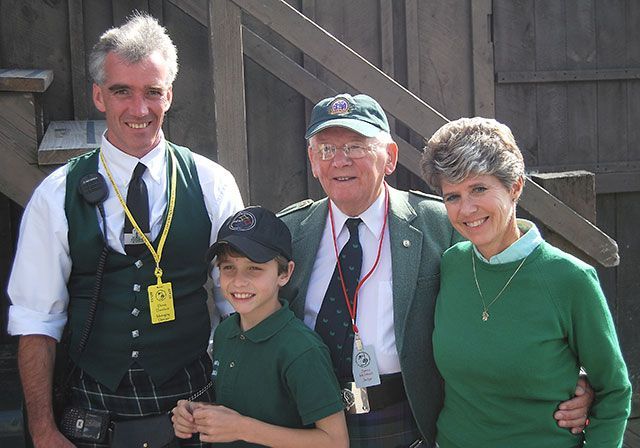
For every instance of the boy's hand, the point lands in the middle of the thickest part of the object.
(217, 423)
(182, 418)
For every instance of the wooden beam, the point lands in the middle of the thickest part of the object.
(542, 76)
(563, 220)
(66, 139)
(25, 80)
(335, 56)
(225, 46)
(620, 182)
(483, 68)
(78, 60)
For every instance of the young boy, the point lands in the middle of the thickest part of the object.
(273, 380)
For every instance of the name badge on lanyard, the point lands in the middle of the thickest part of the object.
(364, 365)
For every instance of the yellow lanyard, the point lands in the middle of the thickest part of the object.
(157, 255)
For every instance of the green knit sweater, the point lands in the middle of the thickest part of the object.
(505, 377)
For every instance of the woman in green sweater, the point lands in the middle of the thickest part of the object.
(516, 317)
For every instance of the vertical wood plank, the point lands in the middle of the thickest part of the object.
(225, 39)
(606, 219)
(612, 95)
(628, 286)
(98, 18)
(314, 189)
(412, 29)
(582, 106)
(78, 61)
(514, 41)
(633, 87)
(386, 37)
(387, 60)
(483, 69)
(629, 270)
(445, 74)
(413, 46)
(552, 98)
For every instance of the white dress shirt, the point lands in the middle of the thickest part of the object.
(42, 265)
(375, 299)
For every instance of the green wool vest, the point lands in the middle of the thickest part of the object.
(123, 333)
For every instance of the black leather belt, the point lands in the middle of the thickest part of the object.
(359, 401)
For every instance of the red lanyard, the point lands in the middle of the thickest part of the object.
(352, 307)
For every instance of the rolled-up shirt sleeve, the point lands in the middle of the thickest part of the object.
(38, 282)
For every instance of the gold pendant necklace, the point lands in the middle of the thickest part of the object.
(485, 307)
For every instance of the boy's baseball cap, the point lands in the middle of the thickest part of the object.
(255, 232)
(360, 113)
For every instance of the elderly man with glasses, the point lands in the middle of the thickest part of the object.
(373, 308)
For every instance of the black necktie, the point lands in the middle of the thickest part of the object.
(333, 323)
(138, 205)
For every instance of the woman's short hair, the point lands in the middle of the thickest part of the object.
(472, 147)
(134, 41)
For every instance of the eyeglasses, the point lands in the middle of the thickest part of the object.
(356, 150)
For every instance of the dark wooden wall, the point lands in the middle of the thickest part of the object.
(564, 75)
(568, 86)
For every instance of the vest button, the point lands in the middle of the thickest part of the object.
(135, 354)
(138, 264)
(135, 333)
(232, 364)
(136, 287)
(135, 312)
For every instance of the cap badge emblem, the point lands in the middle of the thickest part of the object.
(243, 222)
(339, 106)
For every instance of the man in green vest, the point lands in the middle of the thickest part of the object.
(140, 237)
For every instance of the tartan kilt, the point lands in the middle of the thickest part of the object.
(138, 396)
(391, 427)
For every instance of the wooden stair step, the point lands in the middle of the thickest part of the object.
(64, 140)
(25, 80)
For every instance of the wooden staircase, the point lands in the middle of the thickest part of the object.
(21, 129)
(29, 153)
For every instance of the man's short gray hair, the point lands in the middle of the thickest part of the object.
(134, 41)
(472, 147)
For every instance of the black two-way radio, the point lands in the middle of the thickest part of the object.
(93, 188)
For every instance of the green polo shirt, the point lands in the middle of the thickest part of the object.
(278, 372)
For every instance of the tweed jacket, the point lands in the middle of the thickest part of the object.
(419, 233)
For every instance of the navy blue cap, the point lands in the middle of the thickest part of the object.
(256, 233)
